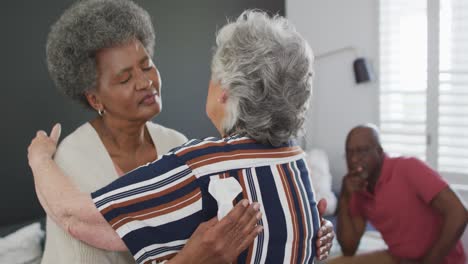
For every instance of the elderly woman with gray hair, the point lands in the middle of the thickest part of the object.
(257, 99)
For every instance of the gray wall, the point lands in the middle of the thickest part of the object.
(338, 104)
(185, 37)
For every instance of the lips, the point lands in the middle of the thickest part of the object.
(364, 175)
(360, 170)
(149, 99)
(356, 168)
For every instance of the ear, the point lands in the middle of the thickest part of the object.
(380, 152)
(93, 100)
(223, 97)
(380, 149)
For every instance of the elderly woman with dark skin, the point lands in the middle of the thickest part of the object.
(100, 53)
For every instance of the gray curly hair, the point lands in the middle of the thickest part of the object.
(266, 67)
(85, 28)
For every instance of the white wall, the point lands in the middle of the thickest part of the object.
(338, 103)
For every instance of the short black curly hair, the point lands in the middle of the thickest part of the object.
(85, 28)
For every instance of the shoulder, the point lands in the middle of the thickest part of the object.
(421, 178)
(409, 164)
(211, 145)
(416, 171)
(83, 136)
(213, 155)
(81, 144)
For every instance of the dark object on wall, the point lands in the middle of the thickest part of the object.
(361, 67)
(362, 70)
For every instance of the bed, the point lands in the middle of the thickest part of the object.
(22, 242)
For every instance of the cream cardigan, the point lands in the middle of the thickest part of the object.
(85, 160)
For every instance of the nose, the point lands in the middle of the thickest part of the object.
(143, 82)
(355, 158)
(352, 157)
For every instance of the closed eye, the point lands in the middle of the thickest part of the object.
(126, 80)
(146, 64)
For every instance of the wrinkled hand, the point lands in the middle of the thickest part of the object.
(43, 147)
(325, 234)
(352, 182)
(222, 241)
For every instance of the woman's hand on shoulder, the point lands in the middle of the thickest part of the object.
(43, 147)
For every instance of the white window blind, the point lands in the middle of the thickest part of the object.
(424, 82)
(453, 87)
(403, 76)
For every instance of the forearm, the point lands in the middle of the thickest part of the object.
(347, 235)
(452, 229)
(54, 190)
(97, 235)
(42, 201)
(71, 209)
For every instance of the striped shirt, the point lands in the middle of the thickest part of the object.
(156, 208)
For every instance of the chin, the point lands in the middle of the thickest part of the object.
(148, 115)
(157, 110)
(157, 107)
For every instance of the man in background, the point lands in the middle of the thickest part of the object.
(419, 216)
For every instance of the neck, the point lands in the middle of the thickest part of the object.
(124, 135)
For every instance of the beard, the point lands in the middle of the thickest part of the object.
(364, 175)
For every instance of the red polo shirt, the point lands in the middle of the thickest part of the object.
(400, 208)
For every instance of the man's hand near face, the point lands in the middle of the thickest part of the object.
(355, 180)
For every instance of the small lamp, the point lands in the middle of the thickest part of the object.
(361, 66)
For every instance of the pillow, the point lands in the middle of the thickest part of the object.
(22, 246)
(321, 178)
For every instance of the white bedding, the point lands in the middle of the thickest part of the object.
(22, 246)
(371, 241)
